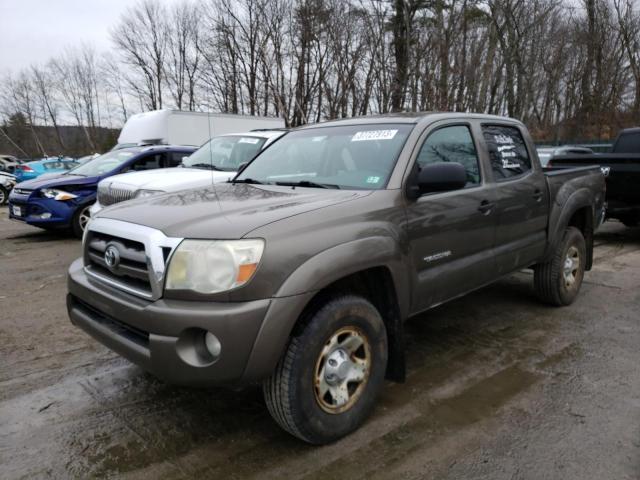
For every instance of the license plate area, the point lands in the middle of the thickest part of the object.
(17, 211)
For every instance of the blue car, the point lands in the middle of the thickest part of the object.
(63, 201)
(31, 170)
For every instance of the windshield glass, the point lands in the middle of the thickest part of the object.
(225, 153)
(104, 163)
(356, 156)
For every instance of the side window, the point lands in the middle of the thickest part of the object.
(452, 144)
(174, 159)
(148, 162)
(507, 151)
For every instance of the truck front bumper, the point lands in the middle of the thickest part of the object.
(167, 337)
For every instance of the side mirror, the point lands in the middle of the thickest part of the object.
(439, 177)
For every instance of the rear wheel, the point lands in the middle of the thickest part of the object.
(80, 220)
(557, 281)
(327, 382)
(4, 195)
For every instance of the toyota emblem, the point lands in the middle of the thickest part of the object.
(111, 257)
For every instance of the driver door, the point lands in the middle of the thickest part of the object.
(451, 234)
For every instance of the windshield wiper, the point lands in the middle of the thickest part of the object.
(250, 181)
(204, 165)
(307, 183)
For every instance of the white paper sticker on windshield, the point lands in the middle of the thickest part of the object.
(252, 141)
(374, 135)
(318, 139)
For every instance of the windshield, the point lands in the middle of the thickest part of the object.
(357, 156)
(225, 153)
(104, 163)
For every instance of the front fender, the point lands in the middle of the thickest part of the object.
(348, 258)
(312, 276)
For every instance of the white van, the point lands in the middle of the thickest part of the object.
(175, 127)
(216, 161)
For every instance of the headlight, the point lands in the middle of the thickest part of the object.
(211, 266)
(147, 193)
(57, 194)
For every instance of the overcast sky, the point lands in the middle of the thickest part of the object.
(33, 31)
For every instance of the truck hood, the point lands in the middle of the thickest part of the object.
(57, 181)
(168, 179)
(227, 211)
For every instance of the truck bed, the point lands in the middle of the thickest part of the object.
(623, 180)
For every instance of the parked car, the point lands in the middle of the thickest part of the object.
(63, 202)
(216, 161)
(7, 182)
(175, 127)
(300, 272)
(545, 153)
(8, 163)
(32, 170)
(623, 174)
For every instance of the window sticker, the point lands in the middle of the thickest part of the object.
(318, 139)
(373, 179)
(373, 135)
(506, 151)
(252, 141)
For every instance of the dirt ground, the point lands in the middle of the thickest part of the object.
(499, 387)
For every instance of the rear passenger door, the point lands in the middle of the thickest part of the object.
(451, 234)
(522, 202)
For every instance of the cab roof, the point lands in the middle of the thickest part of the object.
(409, 118)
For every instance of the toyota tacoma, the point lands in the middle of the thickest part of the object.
(300, 272)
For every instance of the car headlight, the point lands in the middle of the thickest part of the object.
(211, 266)
(147, 193)
(57, 194)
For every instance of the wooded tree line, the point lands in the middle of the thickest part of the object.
(567, 68)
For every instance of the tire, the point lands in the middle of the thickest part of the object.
(4, 196)
(557, 282)
(329, 335)
(79, 220)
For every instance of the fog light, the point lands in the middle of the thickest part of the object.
(43, 216)
(213, 344)
(198, 347)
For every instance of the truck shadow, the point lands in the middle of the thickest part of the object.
(224, 433)
(38, 235)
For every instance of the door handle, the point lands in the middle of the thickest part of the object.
(485, 207)
(537, 195)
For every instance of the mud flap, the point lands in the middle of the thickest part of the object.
(397, 363)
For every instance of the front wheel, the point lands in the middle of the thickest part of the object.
(80, 220)
(327, 382)
(557, 281)
(4, 195)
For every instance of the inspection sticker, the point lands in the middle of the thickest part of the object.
(373, 179)
(374, 135)
(252, 141)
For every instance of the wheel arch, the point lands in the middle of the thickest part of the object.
(578, 211)
(372, 268)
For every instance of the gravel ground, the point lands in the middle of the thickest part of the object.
(499, 387)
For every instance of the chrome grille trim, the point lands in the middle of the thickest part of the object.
(154, 241)
(107, 195)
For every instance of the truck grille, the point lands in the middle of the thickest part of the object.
(108, 195)
(130, 272)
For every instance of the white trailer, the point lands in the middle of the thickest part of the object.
(175, 127)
